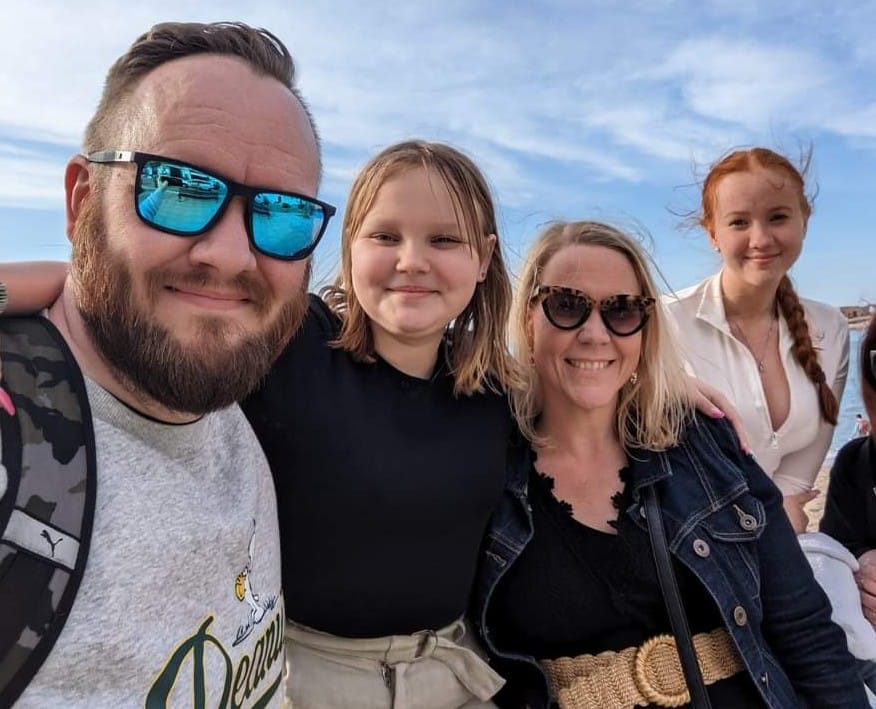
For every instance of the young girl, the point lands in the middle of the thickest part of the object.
(781, 358)
(386, 422)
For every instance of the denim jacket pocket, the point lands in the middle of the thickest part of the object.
(740, 520)
(734, 530)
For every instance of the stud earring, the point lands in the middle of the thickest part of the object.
(634, 377)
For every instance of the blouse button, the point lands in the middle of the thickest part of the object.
(740, 617)
(701, 548)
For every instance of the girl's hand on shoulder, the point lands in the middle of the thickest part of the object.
(712, 403)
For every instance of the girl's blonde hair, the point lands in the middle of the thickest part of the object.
(651, 411)
(478, 355)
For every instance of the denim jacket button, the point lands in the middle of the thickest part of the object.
(701, 548)
(747, 522)
(740, 616)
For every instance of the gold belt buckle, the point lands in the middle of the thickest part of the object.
(665, 689)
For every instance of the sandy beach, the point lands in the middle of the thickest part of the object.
(816, 508)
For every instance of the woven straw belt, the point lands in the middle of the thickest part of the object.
(638, 676)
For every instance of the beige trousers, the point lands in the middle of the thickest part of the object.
(441, 669)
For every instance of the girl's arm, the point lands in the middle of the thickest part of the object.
(32, 286)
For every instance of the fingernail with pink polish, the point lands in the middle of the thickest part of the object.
(6, 402)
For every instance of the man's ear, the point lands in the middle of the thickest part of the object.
(77, 187)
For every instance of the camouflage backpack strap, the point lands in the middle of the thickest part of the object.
(47, 495)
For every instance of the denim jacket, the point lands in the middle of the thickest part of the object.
(724, 521)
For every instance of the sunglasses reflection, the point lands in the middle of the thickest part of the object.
(175, 198)
(185, 200)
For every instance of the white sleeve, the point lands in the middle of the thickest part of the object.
(798, 470)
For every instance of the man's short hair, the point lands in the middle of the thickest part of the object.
(164, 42)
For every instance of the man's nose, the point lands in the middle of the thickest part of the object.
(225, 247)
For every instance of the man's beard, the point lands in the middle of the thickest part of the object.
(206, 375)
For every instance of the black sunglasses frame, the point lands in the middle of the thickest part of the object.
(110, 157)
(643, 303)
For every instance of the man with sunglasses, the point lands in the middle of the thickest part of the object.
(192, 215)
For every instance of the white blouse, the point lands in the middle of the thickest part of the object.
(792, 455)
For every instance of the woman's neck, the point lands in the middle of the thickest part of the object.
(746, 302)
(580, 433)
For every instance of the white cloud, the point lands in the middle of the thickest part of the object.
(28, 180)
(610, 94)
(750, 83)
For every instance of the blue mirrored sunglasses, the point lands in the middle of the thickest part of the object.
(182, 199)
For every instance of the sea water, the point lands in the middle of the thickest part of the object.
(851, 404)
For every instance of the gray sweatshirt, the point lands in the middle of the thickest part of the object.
(183, 575)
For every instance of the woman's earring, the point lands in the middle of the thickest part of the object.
(634, 377)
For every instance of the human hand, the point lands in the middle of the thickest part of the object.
(714, 404)
(865, 577)
(794, 505)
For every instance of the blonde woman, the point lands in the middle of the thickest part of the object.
(567, 568)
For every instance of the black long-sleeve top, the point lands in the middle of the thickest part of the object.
(385, 483)
(850, 508)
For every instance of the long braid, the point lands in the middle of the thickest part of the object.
(804, 352)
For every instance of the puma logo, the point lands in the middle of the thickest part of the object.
(45, 535)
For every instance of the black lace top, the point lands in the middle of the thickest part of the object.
(576, 590)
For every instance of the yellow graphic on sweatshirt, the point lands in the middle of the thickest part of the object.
(244, 593)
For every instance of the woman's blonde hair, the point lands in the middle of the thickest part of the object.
(478, 354)
(651, 411)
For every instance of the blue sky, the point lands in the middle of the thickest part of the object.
(573, 108)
